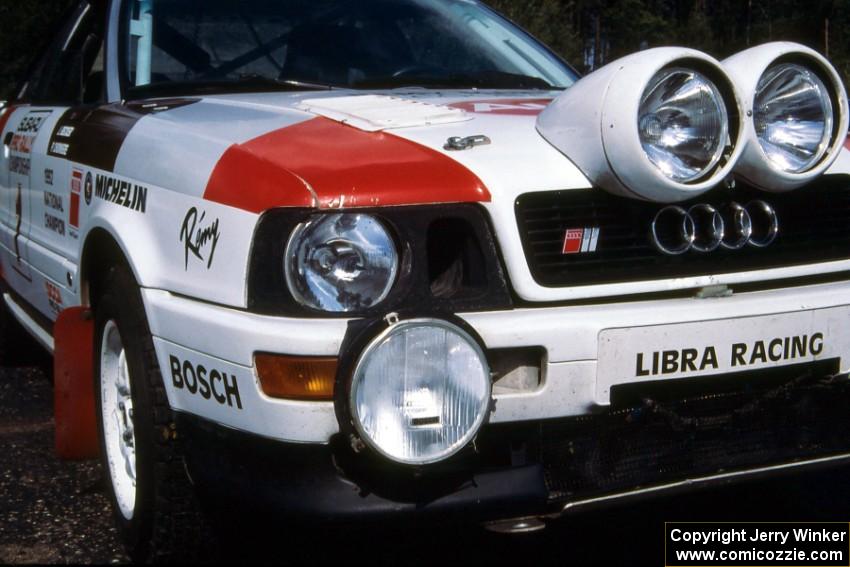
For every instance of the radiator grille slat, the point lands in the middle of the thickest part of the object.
(649, 445)
(814, 228)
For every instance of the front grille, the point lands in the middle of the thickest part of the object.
(814, 227)
(658, 441)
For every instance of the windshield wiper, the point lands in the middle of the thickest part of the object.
(239, 84)
(482, 80)
(287, 84)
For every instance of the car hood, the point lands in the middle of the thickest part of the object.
(260, 151)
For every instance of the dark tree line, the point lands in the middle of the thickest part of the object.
(24, 27)
(588, 33)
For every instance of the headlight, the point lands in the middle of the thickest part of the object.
(420, 391)
(683, 125)
(341, 262)
(793, 117)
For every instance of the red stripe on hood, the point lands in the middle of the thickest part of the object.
(343, 166)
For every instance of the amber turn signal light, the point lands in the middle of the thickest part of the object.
(296, 377)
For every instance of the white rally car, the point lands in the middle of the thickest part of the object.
(393, 258)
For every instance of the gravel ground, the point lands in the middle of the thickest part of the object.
(57, 512)
(51, 511)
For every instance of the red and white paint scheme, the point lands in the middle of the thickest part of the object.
(606, 260)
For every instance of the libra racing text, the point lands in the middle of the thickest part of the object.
(741, 355)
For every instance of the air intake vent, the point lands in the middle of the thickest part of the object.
(611, 237)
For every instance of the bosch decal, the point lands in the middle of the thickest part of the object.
(209, 384)
(199, 237)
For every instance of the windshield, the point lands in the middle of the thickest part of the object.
(185, 46)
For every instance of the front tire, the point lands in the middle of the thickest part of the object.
(152, 496)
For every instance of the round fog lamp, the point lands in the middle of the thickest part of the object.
(420, 391)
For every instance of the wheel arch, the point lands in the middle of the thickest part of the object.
(101, 250)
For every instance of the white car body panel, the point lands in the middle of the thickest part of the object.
(197, 304)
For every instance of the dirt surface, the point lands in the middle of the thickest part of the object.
(50, 511)
(57, 512)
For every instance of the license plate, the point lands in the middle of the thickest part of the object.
(717, 347)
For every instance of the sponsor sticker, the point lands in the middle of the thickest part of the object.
(705, 348)
(54, 297)
(516, 107)
(199, 237)
(208, 383)
(120, 192)
(59, 148)
(20, 147)
(89, 188)
(76, 190)
(581, 240)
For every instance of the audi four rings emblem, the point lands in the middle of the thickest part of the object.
(702, 228)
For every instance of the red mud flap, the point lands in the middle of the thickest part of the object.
(76, 423)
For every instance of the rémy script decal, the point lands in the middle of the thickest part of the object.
(198, 240)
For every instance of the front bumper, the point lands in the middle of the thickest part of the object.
(753, 424)
(590, 434)
(310, 483)
(202, 338)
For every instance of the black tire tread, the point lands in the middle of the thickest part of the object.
(179, 531)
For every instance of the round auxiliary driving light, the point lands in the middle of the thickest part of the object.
(420, 391)
(683, 124)
(793, 117)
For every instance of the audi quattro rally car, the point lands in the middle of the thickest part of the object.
(394, 258)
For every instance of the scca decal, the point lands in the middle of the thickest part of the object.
(123, 193)
(199, 240)
(209, 384)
